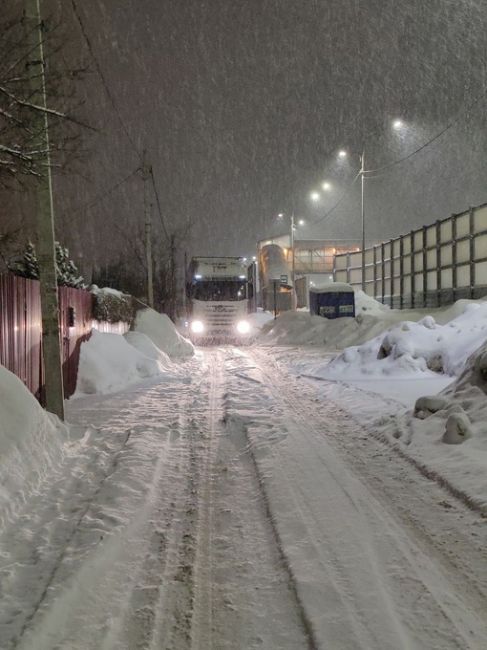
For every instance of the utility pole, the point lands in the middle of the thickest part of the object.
(172, 278)
(146, 170)
(362, 173)
(51, 339)
(293, 266)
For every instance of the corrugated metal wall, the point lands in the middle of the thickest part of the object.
(21, 330)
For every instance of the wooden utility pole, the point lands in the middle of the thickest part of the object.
(51, 340)
(172, 277)
(148, 231)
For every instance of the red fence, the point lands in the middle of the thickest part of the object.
(21, 331)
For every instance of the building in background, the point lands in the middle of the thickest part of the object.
(313, 264)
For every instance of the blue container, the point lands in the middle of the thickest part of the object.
(334, 300)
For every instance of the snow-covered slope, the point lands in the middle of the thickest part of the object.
(31, 444)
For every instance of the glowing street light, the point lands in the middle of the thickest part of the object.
(397, 124)
(326, 186)
(342, 153)
(301, 222)
(315, 196)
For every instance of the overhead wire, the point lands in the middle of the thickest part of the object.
(104, 81)
(118, 114)
(438, 135)
(340, 200)
(376, 170)
(100, 197)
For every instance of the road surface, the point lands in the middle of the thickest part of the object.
(237, 510)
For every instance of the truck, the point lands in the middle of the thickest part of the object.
(220, 295)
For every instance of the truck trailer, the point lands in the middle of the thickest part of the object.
(220, 292)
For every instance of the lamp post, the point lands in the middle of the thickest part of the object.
(362, 212)
(293, 256)
(343, 154)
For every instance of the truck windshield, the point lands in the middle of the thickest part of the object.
(219, 290)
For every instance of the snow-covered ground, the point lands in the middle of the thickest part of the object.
(236, 511)
(249, 498)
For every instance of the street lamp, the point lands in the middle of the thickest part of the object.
(343, 154)
(315, 196)
(326, 186)
(300, 222)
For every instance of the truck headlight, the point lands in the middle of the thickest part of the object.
(243, 327)
(197, 327)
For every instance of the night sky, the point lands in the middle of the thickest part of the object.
(242, 106)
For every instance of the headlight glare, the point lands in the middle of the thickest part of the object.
(243, 327)
(197, 327)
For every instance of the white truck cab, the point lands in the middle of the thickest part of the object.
(219, 294)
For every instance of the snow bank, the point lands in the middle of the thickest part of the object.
(109, 363)
(31, 444)
(448, 433)
(421, 347)
(162, 332)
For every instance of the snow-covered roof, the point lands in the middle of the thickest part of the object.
(333, 287)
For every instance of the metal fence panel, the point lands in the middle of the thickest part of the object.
(431, 266)
(21, 330)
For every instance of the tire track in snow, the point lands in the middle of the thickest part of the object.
(232, 421)
(65, 544)
(435, 585)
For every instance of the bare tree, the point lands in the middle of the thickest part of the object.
(20, 155)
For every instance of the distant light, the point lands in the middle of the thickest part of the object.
(314, 196)
(301, 222)
(241, 277)
(342, 153)
(280, 215)
(244, 259)
(254, 257)
(330, 277)
(198, 276)
(311, 284)
(397, 124)
(326, 186)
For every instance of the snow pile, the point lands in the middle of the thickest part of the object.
(109, 363)
(448, 432)
(162, 332)
(145, 346)
(424, 346)
(258, 319)
(31, 444)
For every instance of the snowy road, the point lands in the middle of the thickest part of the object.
(238, 511)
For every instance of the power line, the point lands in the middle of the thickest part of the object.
(340, 200)
(158, 202)
(118, 114)
(449, 126)
(104, 81)
(100, 197)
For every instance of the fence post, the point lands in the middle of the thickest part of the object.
(438, 264)
(454, 279)
(472, 251)
(413, 271)
(383, 274)
(401, 272)
(375, 272)
(425, 267)
(348, 268)
(391, 248)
